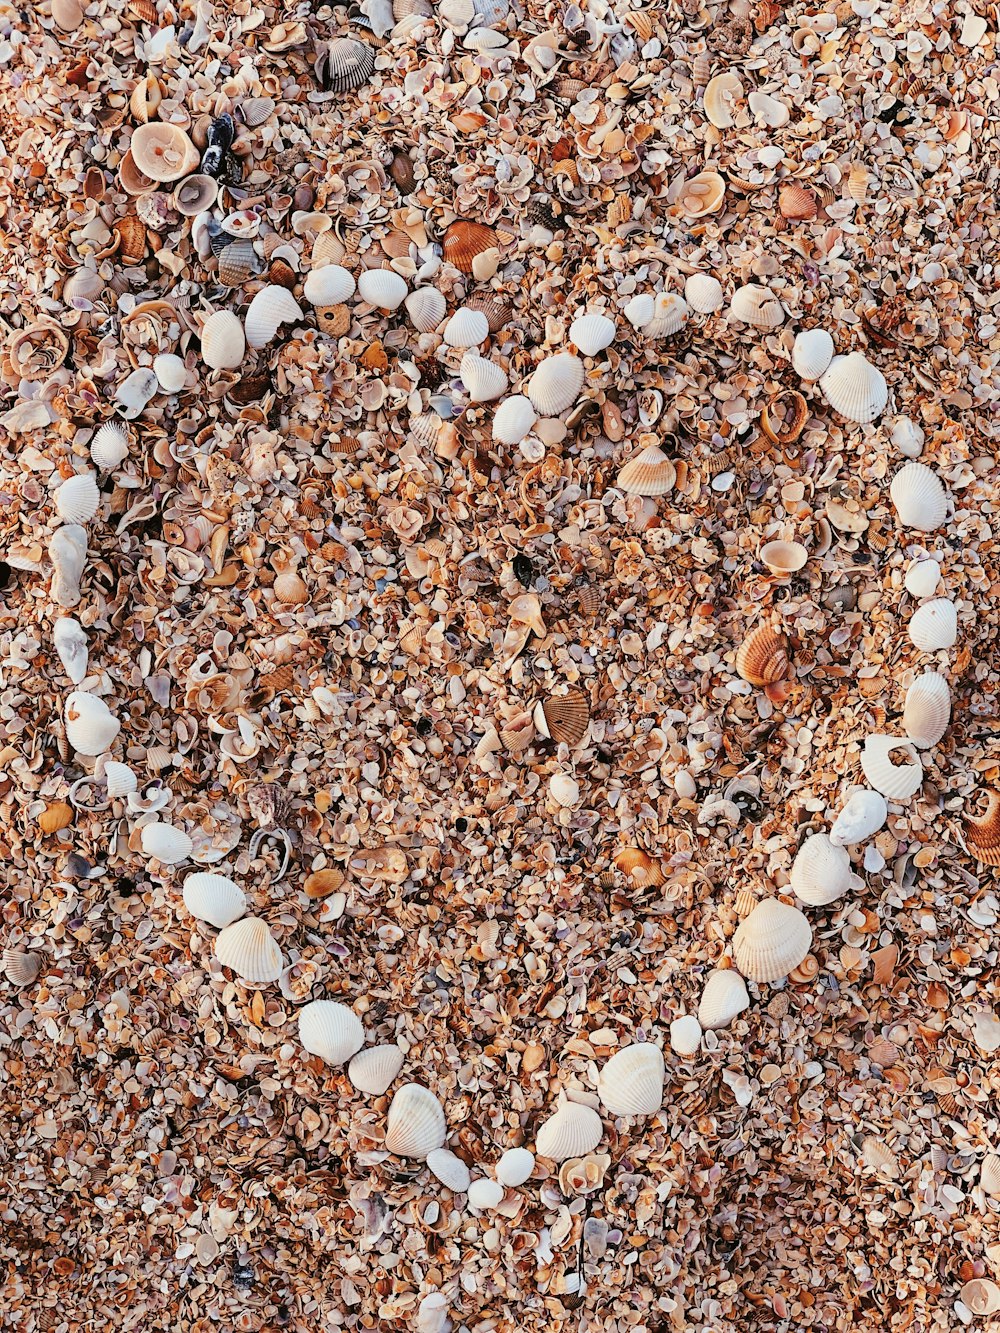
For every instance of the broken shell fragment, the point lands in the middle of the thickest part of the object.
(416, 1123)
(631, 1083)
(68, 553)
(70, 641)
(330, 1030)
(784, 418)
(980, 1296)
(862, 816)
(270, 308)
(703, 194)
(163, 151)
(249, 948)
(771, 941)
(982, 832)
(719, 99)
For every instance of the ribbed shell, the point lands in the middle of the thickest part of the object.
(927, 710)
(348, 64)
(982, 832)
(704, 294)
(685, 1036)
(271, 307)
(919, 496)
(771, 941)
(330, 1030)
(934, 625)
(464, 240)
(383, 288)
(989, 1176)
(669, 316)
(450, 1170)
(723, 999)
(855, 388)
(91, 727)
(513, 419)
(109, 447)
(762, 658)
(812, 353)
(466, 328)
(573, 1131)
(214, 898)
(426, 308)
(877, 1156)
(649, 472)
(483, 379)
(249, 948)
(119, 779)
(78, 498)
(922, 578)
(639, 310)
(631, 1083)
(564, 718)
(237, 262)
(592, 333)
(863, 814)
(165, 843)
(757, 306)
(416, 1123)
(329, 285)
(821, 872)
(223, 342)
(897, 781)
(556, 384)
(21, 969)
(797, 203)
(373, 1070)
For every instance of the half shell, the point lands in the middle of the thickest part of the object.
(373, 1070)
(556, 384)
(821, 872)
(466, 328)
(195, 194)
(980, 1296)
(669, 316)
(68, 553)
(223, 342)
(162, 151)
(330, 1030)
(416, 1123)
(855, 388)
(723, 999)
(864, 814)
(271, 307)
(762, 658)
(771, 941)
(812, 353)
(685, 1035)
(91, 727)
(214, 898)
(592, 333)
(109, 447)
(631, 1083)
(249, 948)
(919, 496)
(346, 64)
(21, 969)
(383, 288)
(934, 625)
(702, 195)
(784, 558)
(513, 420)
(757, 306)
(329, 285)
(450, 1170)
(483, 379)
(922, 578)
(426, 308)
(70, 641)
(989, 1176)
(78, 498)
(165, 843)
(572, 1131)
(704, 294)
(927, 710)
(649, 472)
(119, 779)
(464, 240)
(897, 781)
(720, 97)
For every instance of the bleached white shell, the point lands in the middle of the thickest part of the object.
(426, 308)
(771, 941)
(631, 1083)
(515, 1167)
(70, 639)
(416, 1124)
(670, 312)
(329, 285)
(91, 727)
(908, 437)
(249, 948)
(704, 293)
(513, 420)
(639, 311)
(109, 447)
(934, 625)
(119, 779)
(270, 308)
(68, 553)
(812, 353)
(573, 1131)
(592, 333)
(556, 384)
(170, 372)
(564, 790)
(864, 814)
(78, 498)
(20, 969)
(685, 1035)
(165, 843)
(330, 1030)
(466, 328)
(768, 110)
(432, 1313)
(724, 998)
(927, 710)
(484, 379)
(373, 1070)
(223, 342)
(214, 898)
(897, 781)
(922, 578)
(135, 391)
(485, 1194)
(383, 288)
(989, 1176)
(450, 1170)
(855, 388)
(757, 306)
(821, 872)
(919, 496)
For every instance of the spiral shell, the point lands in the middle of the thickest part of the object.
(762, 658)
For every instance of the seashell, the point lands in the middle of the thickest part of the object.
(922, 578)
(416, 1124)
(70, 641)
(919, 496)
(649, 472)
(329, 285)
(812, 353)
(980, 1296)
(573, 1131)
(134, 392)
(271, 307)
(767, 110)
(243, 225)
(639, 311)
(771, 941)
(165, 843)
(702, 195)
(857, 183)
(592, 333)
(249, 948)
(131, 179)
(514, 1167)
(855, 388)
(373, 1070)
(685, 1035)
(762, 658)
(989, 1175)
(382, 287)
(640, 867)
(426, 308)
(483, 379)
(704, 293)
(556, 384)
(255, 111)
(163, 152)
(119, 779)
(784, 558)
(796, 203)
(907, 436)
(330, 1030)
(214, 898)
(927, 709)
(564, 718)
(496, 309)
(237, 262)
(669, 316)
(78, 498)
(784, 418)
(83, 286)
(464, 241)
(223, 342)
(450, 1170)
(21, 969)
(878, 1157)
(723, 999)
(291, 588)
(631, 1083)
(346, 64)
(333, 319)
(170, 372)
(863, 815)
(982, 832)
(719, 97)
(91, 727)
(526, 609)
(56, 817)
(897, 781)
(934, 625)
(145, 99)
(564, 790)
(195, 194)
(821, 872)
(513, 420)
(583, 1175)
(701, 69)
(466, 328)
(518, 733)
(68, 553)
(755, 305)
(485, 1194)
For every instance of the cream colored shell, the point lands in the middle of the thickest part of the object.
(416, 1123)
(863, 814)
(374, 1069)
(927, 709)
(556, 384)
(771, 941)
(855, 388)
(934, 625)
(631, 1083)
(894, 779)
(330, 1030)
(919, 496)
(214, 898)
(821, 872)
(249, 948)
(724, 998)
(572, 1131)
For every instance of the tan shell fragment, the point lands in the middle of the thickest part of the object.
(878, 1157)
(703, 194)
(720, 98)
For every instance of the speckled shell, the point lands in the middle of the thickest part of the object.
(685, 1036)
(922, 578)
(330, 1030)
(919, 496)
(704, 294)
(863, 814)
(91, 727)
(934, 625)
(329, 285)
(162, 151)
(821, 872)
(556, 384)
(466, 328)
(119, 779)
(812, 353)
(214, 898)
(223, 342)
(723, 999)
(982, 832)
(426, 308)
(483, 379)
(249, 948)
(771, 941)
(855, 388)
(897, 781)
(592, 333)
(513, 419)
(762, 658)
(78, 498)
(373, 1070)
(109, 447)
(927, 710)
(631, 1083)
(572, 1131)
(270, 308)
(416, 1123)
(757, 306)
(348, 64)
(165, 843)
(382, 288)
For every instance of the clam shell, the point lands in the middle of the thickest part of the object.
(330, 1030)
(797, 203)
(21, 969)
(450, 1170)
(757, 306)
(513, 420)
(980, 1296)
(907, 436)
(82, 288)
(485, 1194)
(723, 999)
(771, 941)
(812, 353)
(91, 727)
(982, 832)
(483, 379)
(989, 1176)
(821, 872)
(464, 240)
(347, 64)
(271, 307)
(426, 308)
(78, 498)
(768, 110)
(669, 316)
(373, 1070)
(68, 553)
(214, 898)
(934, 625)
(119, 779)
(249, 948)
(702, 195)
(878, 1156)
(855, 388)
(649, 472)
(170, 372)
(163, 152)
(564, 718)
(556, 384)
(514, 1167)
(70, 641)
(922, 578)
(631, 1083)
(466, 328)
(897, 781)
(783, 558)
(329, 285)
(564, 790)
(165, 843)
(927, 709)
(237, 262)
(639, 311)
(863, 814)
(685, 1035)
(223, 342)
(720, 97)
(642, 869)
(919, 496)
(573, 1131)
(592, 333)
(762, 658)
(704, 294)
(383, 288)
(416, 1124)
(195, 194)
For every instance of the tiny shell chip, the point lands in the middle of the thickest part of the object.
(772, 941)
(723, 999)
(70, 641)
(214, 898)
(573, 1131)
(91, 727)
(863, 814)
(165, 843)
(373, 1070)
(821, 872)
(330, 1030)
(485, 1194)
(383, 288)
(812, 353)
(449, 1169)
(757, 306)
(631, 1083)
(513, 420)
(919, 496)
(855, 388)
(649, 472)
(416, 1123)
(927, 710)
(249, 948)
(896, 780)
(78, 498)
(223, 342)
(515, 1167)
(934, 625)
(556, 384)
(329, 285)
(922, 578)
(685, 1035)
(466, 328)
(592, 333)
(704, 293)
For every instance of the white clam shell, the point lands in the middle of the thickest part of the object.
(768, 110)
(270, 308)
(374, 1069)
(722, 92)
(639, 311)
(223, 342)
(466, 328)
(68, 553)
(685, 1035)
(214, 898)
(483, 379)
(724, 998)
(919, 496)
(20, 969)
(119, 779)
(170, 372)
(812, 353)
(249, 948)
(109, 447)
(382, 287)
(329, 285)
(449, 1169)
(135, 391)
(515, 1167)
(78, 498)
(572, 1131)
(165, 843)
(863, 814)
(91, 727)
(513, 420)
(898, 781)
(592, 333)
(631, 1083)
(432, 1313)
(934, 625)
(70, 640)
(416, 1123)
(485, 1194)
(922, 579)
(564, 790)
(927, 709)
(771, 941)
(855, 388)
(556, 384)
(670, 313)
(330, 1030)
(989, 1176)
(426, 308)
(821, 872)
(704, 294)
(757, 306)
(907, 436)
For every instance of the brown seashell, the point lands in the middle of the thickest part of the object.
(402, 173)
(345, 444)
(784, 418)
(619, 210)
(746, 901)
(857, 183)
(57, 816)
(94, 184)
(567, 716)
(762, 658)
(982, 833)
(282, 274)
(806, 970)
(321, 883)
(518, 733)
(495, 308)
(797, 203)
(333, 319)
(131, 233)
(464, 240)
(237, 263)
(643, 24)
(588, 598)
(640, 867)
(144, 11)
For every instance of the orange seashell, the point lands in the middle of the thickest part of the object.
(797, 203)
(763, 657)
(640, 867)
(805, 971)
(784, 418)
(464, 240)
(322, 883)
(982, 833)
(131, 233)
(567, 716)
(58, 816)
(347, 444)
(333, 319)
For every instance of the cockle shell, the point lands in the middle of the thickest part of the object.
(573, 1131)
(922, 578)
(719, 98)
(934, 625)
(855, 388)
(329, 285)
(214, 898)
(347, 64)
(864, 814)
(237, 262)
(165, 843)
(592, 333)
(466, 328)
(249, 948)
(485, 1194)
(170, 372)
(989, 1175)
(78, 498)
(669, 316)
(685, 1035)
(982, 832)
(416, 1123)
(757, 306)
(426, 308)
(649, 472)
(163, 151)
(919, 496)
(450, 1170)
(639, 310)
(723, 999)
(784, 558)
(330, 1030)
(119, 779)
(383, 288)
(821, 872)
(812, 353)
(513, 420)
(563, 718)
(927, 709)
(109, 447)
(374, 1069)
(514, 1167)
(464, 241)
(483, 379)
(643, 870)
(704, 294)
(898, 781)
(271, 307)
(907, 436)
(223, 342)
(70, 640)
(762, 658)
(556, 384)
(68, 553)
(702, 195)
(631, 1083)
(21, 969)
(771, 941)
(564, 790)
(91, 727)
(195, 194)
(980, 1296)
(877, 1156)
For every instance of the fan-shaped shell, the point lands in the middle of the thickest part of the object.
(797, 203)
(556, 384)
(755, 305)
(82, 288)
(573, 1131)
(934, 625)
(863, 814)
(330, 1030)
(720, 97)
(812, 353)
(21, 969)
(214, 898)
(426, 308)
(513, 419)
(329, 285)
(703, 194)
(416, 1123)
(382, 287)
(271, 307)
(464, 240)
(855, 388)
(762, 658)
(631, 1083)
(898, 781)
(989, 1176)
(669, 316)
(927, 710)
(450, 1170)
(373, 1070)
(821, 872)
(91, 727)
(649, 472)
(980, 1296)
(163, 151)
(564, 790)
(783, 558)
(878, 1156)
(723, 999)
(704, 294)
(249, 948)
(195, 194)
(347, 64)
(514, 1167)
(564, 718)
(70, 641)
(685, 1035)
(982, 832)
(466, 328)
(639, 311)
(78, 498)
(922, 578)
(223, 342)
(644, 871)
(919, 496)
(592, 333)
(119, 779)
(483, 379)
(109, 447)
(165, 843)
(771, 941)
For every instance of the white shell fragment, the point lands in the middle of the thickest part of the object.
(892, 766)
(269, 309)
(70, 641)
(485, 1194)
(330, 1030)
(68, 553)
(863, 815)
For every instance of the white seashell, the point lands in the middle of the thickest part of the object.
(91, 727)
(720, 97)
(927, 710)
(855, 388)
(21, 969)
(223, 342)
(757, 306)
(249, 948)
(329, 285)
(556, 384)
(821, 872)
(908, 437)
(980, 1295)
(897, 781)
(70, 640)
(768, 110)
(631, 1083)
(919, 496)
(573, 1131)
(484, 379)
(685, 1035)
(416, 1124)
(135, 391)
(723, 999)
(513, 420)
(170, 372)
(771, 941)
(374, 1069)
(670, 312)
(449, 1169)
(704, 293)
(271, 307)
(68, 553)
(382, 287)
(485, 1194)
(426, 308)
(863, 815)
(466, 328)
(330, 1030)
(934, 625)
(592, 333)
(515, 1167)
(78, 498)
(432, 1313)
(109, 447)
(812, 353)
(165, 843)
(214, 898)
(119, 779)
(564, 790)
(989, 1176)
(639, 311)
(922, 578)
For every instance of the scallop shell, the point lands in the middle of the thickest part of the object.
(449, 1169)
(704, 294)
(812, 353)
(91, 727)
(723, 999)
(927, 710)
(897, 781)
(719, 98)
(214, 898)
(513, 420)
(564, 790)
(514, 1167)
(249, 948)
(237, 262)
(70, 641)
(78, 498)
(416, 1123)
(373, 1070)
(119, 779)
(271, 307)
(330, 1030)
(464, 240)
(982, 832)
(223, 342)
(771, 941)
(855, 388)
(922, 578)
(821, 872)
(195, 194)
(564, 718)
(762, 658)
(483, 379)
(877, 1156)
(556, 384)
(669, 316)
(426, 308)
(329, 285)
(347, 64)
(797, 203)
(21, 969)
(165, 843)
(702, 195)
(383, 288)
(592, 333)
(163, 152)
(934, 625)
(649, 472)
(68, 553)
(757, 306)
(466, 328)
(864, 814)
(685, 1035)
(989, 1176)
(919, 496)
(631, 1083)
(573, 1131)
